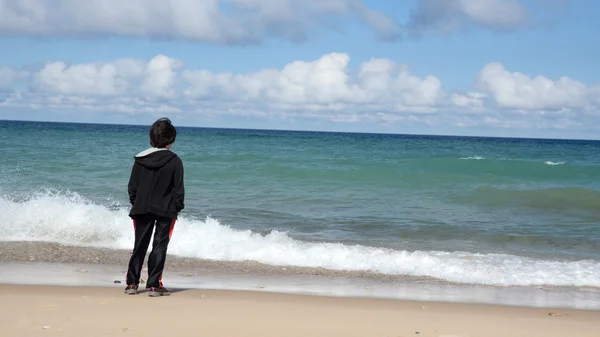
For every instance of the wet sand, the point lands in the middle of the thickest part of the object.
(41, 263)
(98, 311)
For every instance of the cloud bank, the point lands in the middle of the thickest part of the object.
(243, 22)
(213, 21)
(379, 91)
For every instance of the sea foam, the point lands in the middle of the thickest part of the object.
(71, 219)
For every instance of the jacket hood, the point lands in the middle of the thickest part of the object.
(153, 158)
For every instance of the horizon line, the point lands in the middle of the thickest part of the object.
(308, 131)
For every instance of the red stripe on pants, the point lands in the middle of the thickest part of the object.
(172, 227)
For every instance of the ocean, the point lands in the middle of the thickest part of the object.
(464, 210)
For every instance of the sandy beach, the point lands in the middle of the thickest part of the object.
(36, 301)
(98, 311)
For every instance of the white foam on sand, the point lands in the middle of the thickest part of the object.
(71, 219)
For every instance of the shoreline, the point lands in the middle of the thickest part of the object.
(112, 276)
(43, 263)
(76, 311)
(50, 252)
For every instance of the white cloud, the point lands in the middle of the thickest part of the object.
(82, 79)
(324, 87)
(519, 91)
(159, 76)
(155, 77)
(446, 16)
(471, 99)
(322, 84)
(214, 21)
(379, 91)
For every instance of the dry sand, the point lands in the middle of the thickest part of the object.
(93, 312)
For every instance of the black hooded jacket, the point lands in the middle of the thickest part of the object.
(156, 184)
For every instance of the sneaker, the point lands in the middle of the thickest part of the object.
(131, 289)
(156, 292)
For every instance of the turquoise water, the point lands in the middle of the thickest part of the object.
(471, 210)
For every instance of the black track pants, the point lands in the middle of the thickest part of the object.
(144, 225)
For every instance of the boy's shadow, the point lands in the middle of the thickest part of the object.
(144, 290)
(171, 290)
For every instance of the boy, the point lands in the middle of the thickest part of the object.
(156, 194)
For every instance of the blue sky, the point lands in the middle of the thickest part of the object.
(467, 67)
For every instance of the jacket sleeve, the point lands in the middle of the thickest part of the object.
(178, 186)
(133, 183)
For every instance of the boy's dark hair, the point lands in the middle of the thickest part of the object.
(162, 133)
